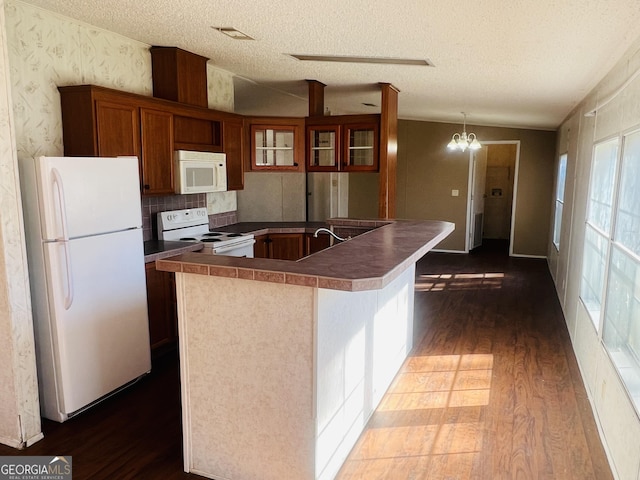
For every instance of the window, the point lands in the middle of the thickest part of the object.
(598, 227)
(622, 313)
(593, 268)
(628, 211)
(557, 223)
(611, 264)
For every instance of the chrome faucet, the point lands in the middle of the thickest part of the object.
(326, 230)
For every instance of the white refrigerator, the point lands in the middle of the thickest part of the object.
(85, 251)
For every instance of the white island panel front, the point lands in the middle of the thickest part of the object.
(246, 352)
(278, 380)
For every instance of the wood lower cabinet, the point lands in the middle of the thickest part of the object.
(161, 305)
(287, 246)
(280, 246)
(315, 244)
(261, 247)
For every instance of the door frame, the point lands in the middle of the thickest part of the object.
(467, 243)
(472, 199)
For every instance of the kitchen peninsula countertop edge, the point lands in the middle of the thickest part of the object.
(366, 262)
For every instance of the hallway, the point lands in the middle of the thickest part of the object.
(491, 391)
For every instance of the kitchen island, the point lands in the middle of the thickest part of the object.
(283, 363)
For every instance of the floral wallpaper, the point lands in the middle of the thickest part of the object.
(220, 89)
(19, 407)
(47, 50)
(40, 51)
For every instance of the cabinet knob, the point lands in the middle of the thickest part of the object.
(146, 187)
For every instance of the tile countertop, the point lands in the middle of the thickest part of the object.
(366, 262)
(157, 249)
(262, 228)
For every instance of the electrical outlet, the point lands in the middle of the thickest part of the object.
(455, 193)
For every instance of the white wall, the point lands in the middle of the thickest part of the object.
(40, 51)
(617, 420)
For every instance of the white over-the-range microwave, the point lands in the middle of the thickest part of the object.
(200, 172)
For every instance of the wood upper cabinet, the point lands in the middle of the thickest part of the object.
(117, 127)
(344, 143)
(179, 75)
(276, 143)
(157, 171)
(98, 121)
(95, 122)
(323, 148)
(233, 141)
(199, 133)
(360, 147)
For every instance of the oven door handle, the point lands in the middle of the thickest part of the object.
(235, 246)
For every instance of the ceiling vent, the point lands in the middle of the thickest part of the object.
(233, 33)
(351, 59)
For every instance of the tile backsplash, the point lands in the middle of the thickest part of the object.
(152, 205)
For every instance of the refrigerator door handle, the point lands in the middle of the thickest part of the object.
(57, 182)
(68, 299)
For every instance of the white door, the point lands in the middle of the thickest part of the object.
(98, 311)
(92, 195)
(479, 158)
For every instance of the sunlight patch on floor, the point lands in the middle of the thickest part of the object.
(440, 400)
(459, 281)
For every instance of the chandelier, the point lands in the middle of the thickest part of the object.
(462, 141)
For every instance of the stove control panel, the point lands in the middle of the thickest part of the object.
(187, 217)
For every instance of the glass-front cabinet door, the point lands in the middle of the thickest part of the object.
(273, 147)
(361, 147)
(343, 143)
(323, 149)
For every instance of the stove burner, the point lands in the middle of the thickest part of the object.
(210, 240)
(188, 239)
(212, 234)
(234, 235)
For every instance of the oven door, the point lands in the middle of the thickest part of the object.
(242, 249)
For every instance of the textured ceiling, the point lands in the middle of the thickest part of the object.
(513, 63)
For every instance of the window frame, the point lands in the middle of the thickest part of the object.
(598, 319)
(561, 173)
(619, 337)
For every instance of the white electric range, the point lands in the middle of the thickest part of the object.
(192, 225)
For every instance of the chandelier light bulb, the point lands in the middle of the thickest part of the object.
(462, 141)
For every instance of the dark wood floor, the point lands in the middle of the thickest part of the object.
(491, 391)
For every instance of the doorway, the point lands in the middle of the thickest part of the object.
(492, 183)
